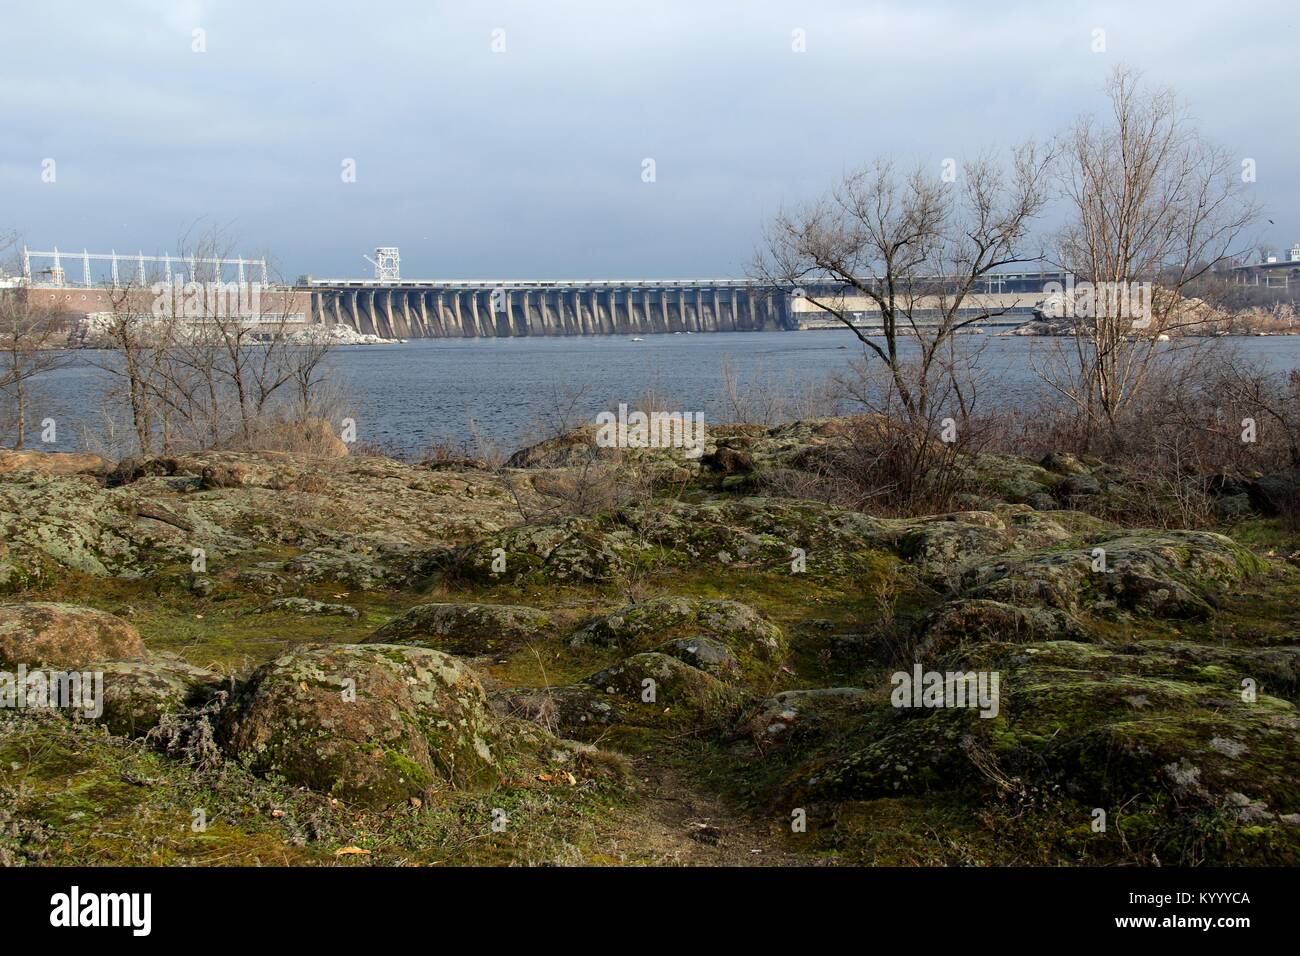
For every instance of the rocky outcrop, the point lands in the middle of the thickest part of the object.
(801, 537)
(1173, 574)
(1110, 727)
(366, 518)
(952, 627)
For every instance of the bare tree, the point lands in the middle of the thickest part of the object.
(139, 340)
(914, 248)
(29, 347)
(212, 363)
(1149, 201)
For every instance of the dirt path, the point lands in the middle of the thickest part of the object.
(675, 823)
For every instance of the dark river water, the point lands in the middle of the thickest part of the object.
(407, 397)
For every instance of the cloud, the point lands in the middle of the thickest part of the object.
(527, 162)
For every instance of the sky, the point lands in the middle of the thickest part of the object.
(495, 139)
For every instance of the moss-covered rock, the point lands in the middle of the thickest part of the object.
(1100, 726)
(1173, 573)
(64, 636)
(263, 581)
(795, 717)
(706, 653)
(954, 625)
(741, 534)
(940, 545)
(358, 570)
(300, 605)
(151, 513)
(565, 551)
(138, 694)
(1005, 478)
(758, 645)
(655, 690)
(652, 690)
(468, 629)
(373, 724)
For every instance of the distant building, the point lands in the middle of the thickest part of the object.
(1272, 272)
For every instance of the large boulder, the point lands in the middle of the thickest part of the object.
(64, 636)
(372, 724)
(657, 690)
(468, 629)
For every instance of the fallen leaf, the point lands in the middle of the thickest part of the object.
(351, 851)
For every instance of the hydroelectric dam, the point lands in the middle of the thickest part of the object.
(412, 308)
(396, 308)
(391, 307)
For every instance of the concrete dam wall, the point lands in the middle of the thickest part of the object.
(415, 309)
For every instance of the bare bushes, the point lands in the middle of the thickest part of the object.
(898, 456)
(198, 367)
(1207, 425)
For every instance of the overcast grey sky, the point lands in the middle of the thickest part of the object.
(528, 162)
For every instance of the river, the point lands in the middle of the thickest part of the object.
(409, 396)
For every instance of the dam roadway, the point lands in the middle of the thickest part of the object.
(413, 308)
